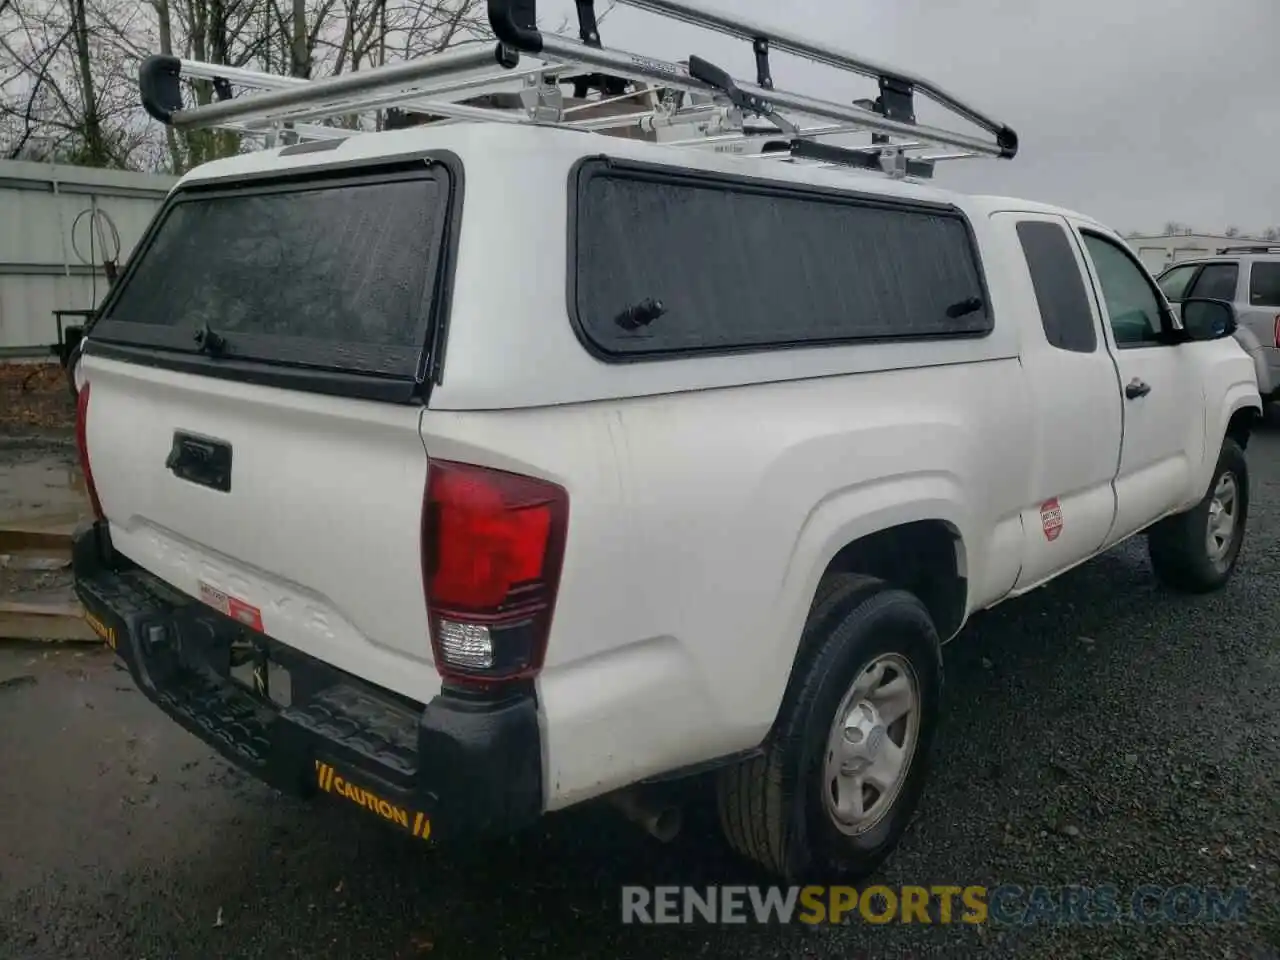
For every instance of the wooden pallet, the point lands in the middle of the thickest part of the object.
(57, 621)
(55, 616)
(53, 542)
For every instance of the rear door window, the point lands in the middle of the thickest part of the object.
(676, 262)
(1217, 281)
(337, 273)
(1264, 285)
(1060, 291)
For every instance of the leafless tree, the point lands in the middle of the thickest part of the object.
(68, 68)
(61, 90)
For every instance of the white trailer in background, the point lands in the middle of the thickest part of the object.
(1159, 252)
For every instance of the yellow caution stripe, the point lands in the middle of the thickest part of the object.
(101, 629)
(330, 781)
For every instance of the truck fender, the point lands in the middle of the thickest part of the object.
(1240, 396)
(840, 519)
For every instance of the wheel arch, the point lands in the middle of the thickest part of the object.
(1241, 422)
(918, 546)
(924, 557)
(1235, 418)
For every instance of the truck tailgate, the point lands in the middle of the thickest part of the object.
(316, 542)
(281, 325)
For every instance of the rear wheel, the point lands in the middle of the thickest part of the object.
(1196, 551)
(844, 769)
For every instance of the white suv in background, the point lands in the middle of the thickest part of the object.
(1247, 277)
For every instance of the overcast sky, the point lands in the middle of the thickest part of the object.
(1136, 112)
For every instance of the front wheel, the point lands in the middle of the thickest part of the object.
(1196, 551)
(845, 766)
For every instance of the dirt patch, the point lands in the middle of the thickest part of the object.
(35, 400)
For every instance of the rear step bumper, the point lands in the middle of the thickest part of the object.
(460, 764)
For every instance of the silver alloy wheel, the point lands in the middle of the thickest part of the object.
(871, 744)
(1223, 517)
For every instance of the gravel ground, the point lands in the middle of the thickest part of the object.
(1099, 732)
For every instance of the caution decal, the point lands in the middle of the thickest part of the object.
(101, 629)
(330, 781)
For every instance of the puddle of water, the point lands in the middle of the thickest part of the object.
(42, 492)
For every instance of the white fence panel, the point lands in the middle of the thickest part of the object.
(54, 221)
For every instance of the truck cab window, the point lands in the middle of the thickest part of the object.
(1133, 308)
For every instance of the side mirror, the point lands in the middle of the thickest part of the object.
(1205, 319)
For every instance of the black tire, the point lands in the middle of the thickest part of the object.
(1178, 545)
(771, 807)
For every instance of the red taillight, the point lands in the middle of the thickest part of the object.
(492, 545)
(82, 446)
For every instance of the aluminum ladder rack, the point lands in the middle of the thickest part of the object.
(521, 79)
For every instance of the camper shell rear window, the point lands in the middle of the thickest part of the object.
(342, 270)
(667, 262)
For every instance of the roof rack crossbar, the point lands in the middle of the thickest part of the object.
(162, 71)
(865, 119)
(292, 132)
(693, 103)
(893, 82)
(427, 104)
(253, 79)
(734, 26)
(295, 119)
(565, 50)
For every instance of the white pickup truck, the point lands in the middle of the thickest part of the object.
(473, 470)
